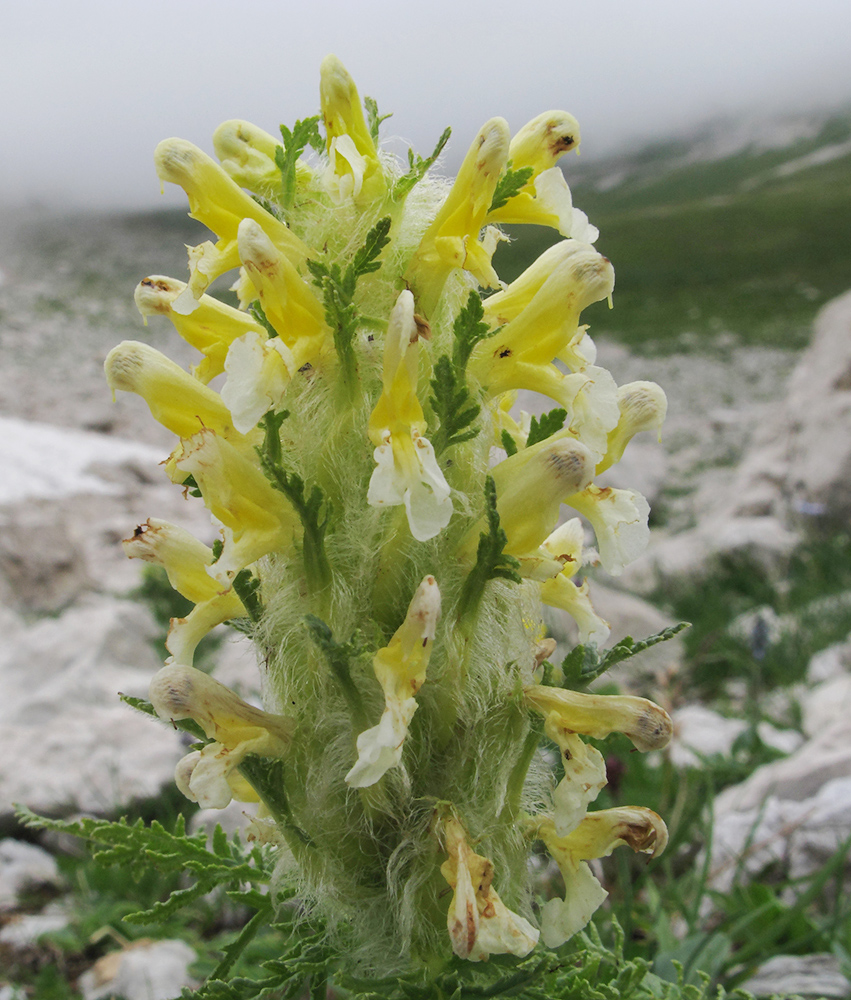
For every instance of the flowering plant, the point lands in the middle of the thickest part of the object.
(390, 571)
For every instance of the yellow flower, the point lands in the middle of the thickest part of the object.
(619, 520)
(217, 201)
(400, 668)
(480, 924)
(212, 327)
(564, 546)
(185, 561)
(644, 722)
(354, 170)
(643, 407)
(530, 488)
(237, 729)
(247, 153)
(406, 467)
(596, 836)
(452, 240)
(256, 518)
(545, 199)
(178, 401)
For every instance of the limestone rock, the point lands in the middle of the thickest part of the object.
(144, 970)
(72, 743)
(22, 865)
(810, 976)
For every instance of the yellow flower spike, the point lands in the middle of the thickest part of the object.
(354, 170)
(564, 547)
(400, 668)
(530, 488)
(643, 407)
(619, 520)
(545, 199)
(176, 400)
(247, 153)
(648, 726)
(211, 328)
(257, 519)
(406, 468)
(479, 923)
(452, 240)
(237, 729)
(185, 560)
(220, 204)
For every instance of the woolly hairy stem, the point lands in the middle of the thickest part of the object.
(517, 777)
(267, 779)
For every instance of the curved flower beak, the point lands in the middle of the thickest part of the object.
(236, 728)
(452, 240)
(354, 170)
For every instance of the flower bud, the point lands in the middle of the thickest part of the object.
(531, 485)
(643, 407)
(354, 169)
(452, 240)
(177, 400)
(211, 328)
(644, 722)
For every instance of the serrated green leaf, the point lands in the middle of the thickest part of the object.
(540, 428)
(492, 561)
(585, 663)
(509, 185)
(449, 402)
(304, 133)
(373, 118)
(418, 167)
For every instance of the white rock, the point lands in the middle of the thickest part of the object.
(145, 970)
(701, 732)
(23, 864)
(75, 745)
(831, 662)
(826, 705)
(25, 929)
(815, 976)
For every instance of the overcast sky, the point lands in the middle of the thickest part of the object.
(89, 87)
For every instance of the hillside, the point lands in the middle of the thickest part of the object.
(737, 229)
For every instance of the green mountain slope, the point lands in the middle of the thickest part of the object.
(751, 243)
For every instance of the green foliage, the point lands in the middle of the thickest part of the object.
(509, 185)
(373, 118)
(259, 314)
(304, 133)
(584, 664)
(508, 443)
(313, 513)
(467, 330)
(247, 588)
(450, 402)
(541, 427)
(417, 167)
(339, 656)
(338, 291)
(492, 561)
